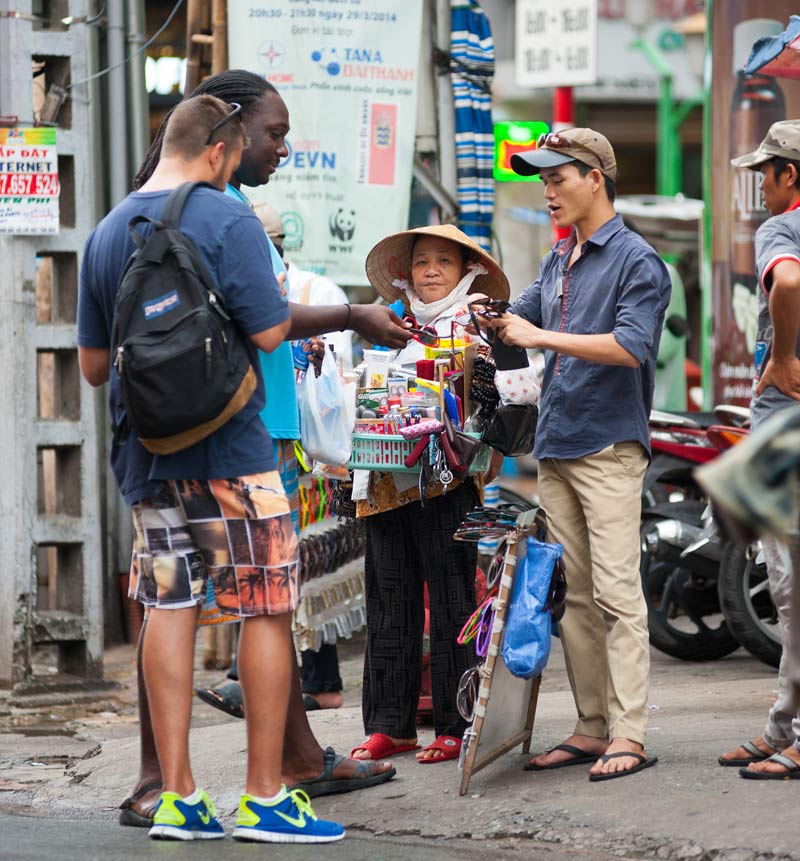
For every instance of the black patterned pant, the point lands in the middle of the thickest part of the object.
(407, 548)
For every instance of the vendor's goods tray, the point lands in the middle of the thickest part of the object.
(387, 453)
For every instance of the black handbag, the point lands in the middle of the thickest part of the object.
(459, 448)
(512, 429)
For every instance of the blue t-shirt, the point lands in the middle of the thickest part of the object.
(231, 243)
(280, 415)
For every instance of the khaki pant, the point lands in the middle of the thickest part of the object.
(593, 507)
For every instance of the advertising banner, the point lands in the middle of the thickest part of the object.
(29, 185)
(347, 71)
(743, 108)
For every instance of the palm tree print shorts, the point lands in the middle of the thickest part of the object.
(230, 537)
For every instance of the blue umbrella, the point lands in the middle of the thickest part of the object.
(471, 72)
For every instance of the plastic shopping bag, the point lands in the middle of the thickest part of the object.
(526, 645)
(325, 428)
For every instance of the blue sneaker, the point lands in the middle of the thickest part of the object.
(174, 819)
(291, 820)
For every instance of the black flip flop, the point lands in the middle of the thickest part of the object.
(128, 816)
(756, 755)
(792, 770)
(580, 757)
(227, 698)
(326, 784)
(644, 762)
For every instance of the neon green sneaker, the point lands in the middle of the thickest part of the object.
(290, 820)
(174, 819)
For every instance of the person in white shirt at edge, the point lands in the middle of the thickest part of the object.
(308, 288)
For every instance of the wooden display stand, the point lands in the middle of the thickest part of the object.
(506, 706)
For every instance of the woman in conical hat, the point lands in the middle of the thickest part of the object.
(432, 269)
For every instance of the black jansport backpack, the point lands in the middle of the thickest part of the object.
(183, 364)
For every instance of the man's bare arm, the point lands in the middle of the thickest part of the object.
(270, 339)
(377, 324)
(783, 368)
(95, 364)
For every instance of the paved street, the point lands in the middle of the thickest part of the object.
(27, 839)
(685, 808)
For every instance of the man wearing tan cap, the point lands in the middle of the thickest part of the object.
(596, 309)
(775, 755)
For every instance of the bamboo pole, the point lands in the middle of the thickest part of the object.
(219, 32)
(195, 13)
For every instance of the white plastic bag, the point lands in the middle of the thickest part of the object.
(324, 425)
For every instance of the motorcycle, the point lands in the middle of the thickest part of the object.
(681, 546)
(706, 596)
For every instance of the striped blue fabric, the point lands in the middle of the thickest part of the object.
(471, 73)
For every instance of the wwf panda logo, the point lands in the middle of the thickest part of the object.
(342, 224)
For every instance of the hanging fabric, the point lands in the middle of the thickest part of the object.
(471, 73)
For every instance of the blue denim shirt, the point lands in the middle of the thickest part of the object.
(619, 285)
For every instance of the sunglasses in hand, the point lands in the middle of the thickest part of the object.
(425, 335)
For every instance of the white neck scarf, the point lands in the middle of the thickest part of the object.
(427, 312)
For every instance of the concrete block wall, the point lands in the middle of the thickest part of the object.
(51, 456)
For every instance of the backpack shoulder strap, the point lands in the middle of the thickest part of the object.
(135, 222)
(171, 216)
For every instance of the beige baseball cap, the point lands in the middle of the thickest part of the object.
(782, 140)
(271, 221)
(584, 145)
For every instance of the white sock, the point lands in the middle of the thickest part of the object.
(194, 798)
(275, 799)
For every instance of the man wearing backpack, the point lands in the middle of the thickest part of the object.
(215, 510)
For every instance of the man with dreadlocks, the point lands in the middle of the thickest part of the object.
(266, 120)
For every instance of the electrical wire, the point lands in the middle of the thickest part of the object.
(135, 53)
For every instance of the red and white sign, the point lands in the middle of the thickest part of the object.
(29, 185)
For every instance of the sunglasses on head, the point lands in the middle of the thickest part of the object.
(237, 109)
(554, 140)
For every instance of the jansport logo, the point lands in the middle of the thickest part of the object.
(157, 307)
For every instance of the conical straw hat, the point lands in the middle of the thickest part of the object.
(390, 260)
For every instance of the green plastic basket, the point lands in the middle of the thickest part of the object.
(387, 453)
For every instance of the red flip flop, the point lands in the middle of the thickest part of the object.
(381, 746)
(449, 745)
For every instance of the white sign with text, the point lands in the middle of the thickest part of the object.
(556, 43)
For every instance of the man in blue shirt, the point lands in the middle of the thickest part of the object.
(214, 513)
(266, 119)
(596, 309)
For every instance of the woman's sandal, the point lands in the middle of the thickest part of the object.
(380, 746)
(449, 745)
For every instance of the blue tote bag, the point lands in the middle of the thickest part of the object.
(526, 645)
